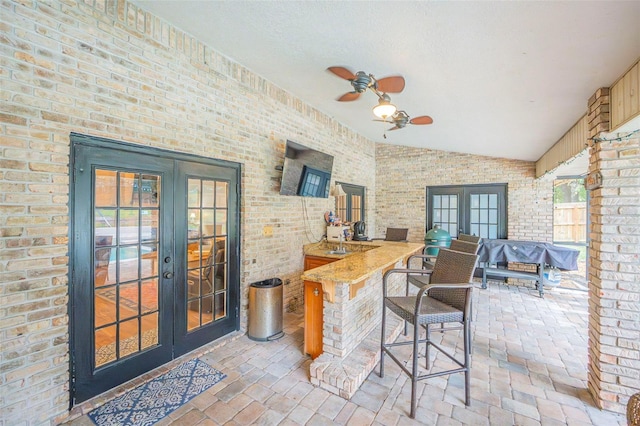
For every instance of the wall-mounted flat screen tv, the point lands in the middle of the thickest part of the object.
(306, 172)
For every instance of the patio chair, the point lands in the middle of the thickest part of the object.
(456, 245)
(395, 234)
(469, 238)
(454, 267)
(434, 304)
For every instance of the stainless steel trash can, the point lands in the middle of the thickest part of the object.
(265, 310)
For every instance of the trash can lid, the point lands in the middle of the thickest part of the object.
(271, 282)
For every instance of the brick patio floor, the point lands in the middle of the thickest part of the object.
(529, 367)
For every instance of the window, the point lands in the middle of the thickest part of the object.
(350, 208)
(314, 183)
(470, 209)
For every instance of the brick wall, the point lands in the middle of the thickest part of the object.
(348, 321)
(109, 69)
(614, 263)
(403, 173)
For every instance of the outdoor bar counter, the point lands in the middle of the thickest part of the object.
(351, 308)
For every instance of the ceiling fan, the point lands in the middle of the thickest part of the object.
(361, 81)
(400, 119)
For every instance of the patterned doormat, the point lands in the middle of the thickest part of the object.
(154, 400)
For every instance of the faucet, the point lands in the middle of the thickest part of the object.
(340, 247)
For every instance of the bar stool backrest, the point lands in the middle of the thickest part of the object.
(396, 234)
(452, 267)
(469, 238)
(464, 246)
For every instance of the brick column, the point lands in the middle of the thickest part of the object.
(614, 263)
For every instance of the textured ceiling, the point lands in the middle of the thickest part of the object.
(504, 79)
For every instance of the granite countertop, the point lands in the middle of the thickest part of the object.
(364, 258)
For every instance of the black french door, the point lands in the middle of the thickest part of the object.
(479, 210)
(154, 263)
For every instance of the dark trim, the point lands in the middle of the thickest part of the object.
(464, 192)
(155, 157)
(81, 139)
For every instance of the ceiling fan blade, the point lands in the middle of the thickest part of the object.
(382, 121)
(393, 84)
(423, 119)
(394, 128)
(342, 72)
(349, 96)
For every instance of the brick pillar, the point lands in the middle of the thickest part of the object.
(614, 263)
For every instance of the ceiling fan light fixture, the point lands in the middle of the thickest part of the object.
(384, 108)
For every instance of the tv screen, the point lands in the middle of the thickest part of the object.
(306, 172)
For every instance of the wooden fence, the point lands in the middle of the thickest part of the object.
(570, 222)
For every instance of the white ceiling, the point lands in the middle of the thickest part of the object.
(504, 79)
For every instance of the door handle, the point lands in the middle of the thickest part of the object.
(167, 275)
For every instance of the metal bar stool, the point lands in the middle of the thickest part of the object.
(434, 304)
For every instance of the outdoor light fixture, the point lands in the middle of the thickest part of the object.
(384, 108)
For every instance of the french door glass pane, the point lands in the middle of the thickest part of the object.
(493, 201)
(445, 213)
(484, 215)
(125, 267)
(206, 252)
(127, 183)
(493, 217)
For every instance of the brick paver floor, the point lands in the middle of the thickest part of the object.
(529, 367)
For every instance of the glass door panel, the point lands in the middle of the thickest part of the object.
(445, 213)
(483, 210)
(206, 252)
(125, 268)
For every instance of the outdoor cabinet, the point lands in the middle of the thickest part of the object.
(313, 308)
